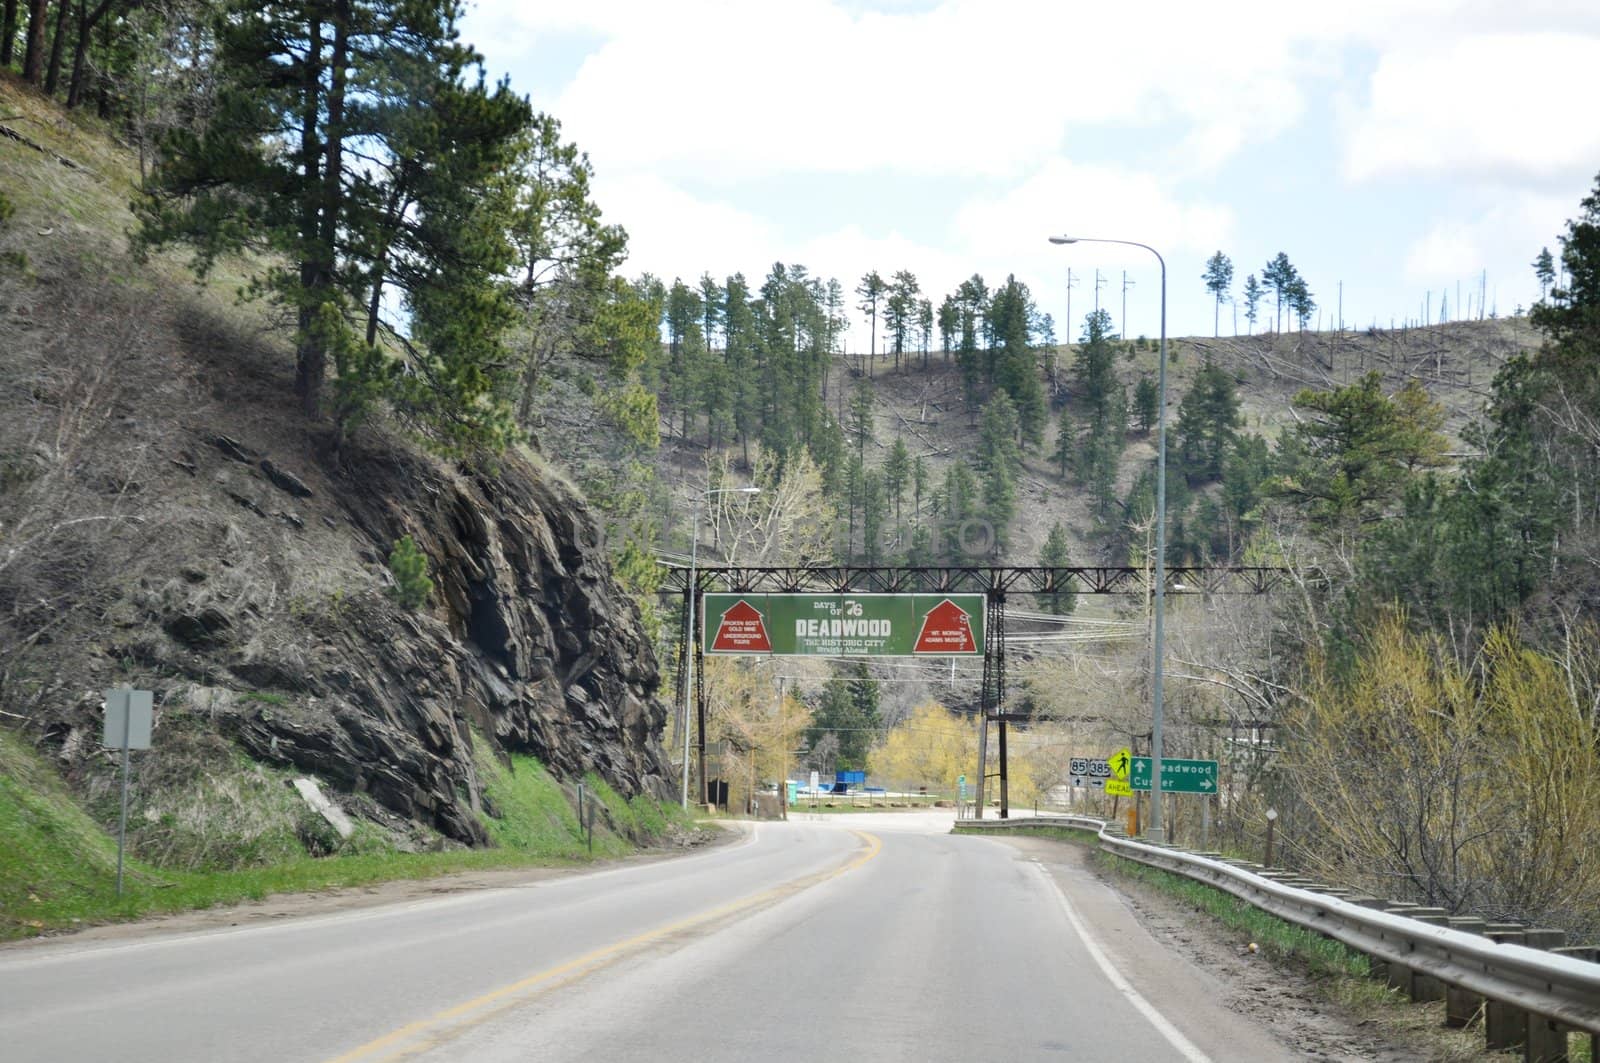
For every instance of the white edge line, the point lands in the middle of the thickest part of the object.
(1185, 1047)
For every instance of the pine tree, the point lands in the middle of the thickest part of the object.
(1065, 444)
(925, 327)
(1094, 374)
(1544, 268)
(900, 312)
(565, 255)
(1001, 460)
(1301, 304)
(1146, 403)
(874, 513)
(972, 302)
(871, 292)
(1280, 275)
(848, 709)
(949, 325)
(299, 83)
(1252, 299)
(860, 425)
(919, 484)
(896, 469)
(739, 344)
(1354, 451)
(1208, 424)
(960, 493)
(1056, 553)
(1218, 277)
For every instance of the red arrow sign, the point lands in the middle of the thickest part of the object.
(742, 630)
(946, 629)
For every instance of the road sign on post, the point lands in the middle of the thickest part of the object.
(1117, 783)
(1089, 773)
(128, 714)
(1177, 776)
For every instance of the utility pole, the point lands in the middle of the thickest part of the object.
(1071, 284)
(1099, 282)
(1126, 284)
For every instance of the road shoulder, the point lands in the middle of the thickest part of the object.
(1189, 966)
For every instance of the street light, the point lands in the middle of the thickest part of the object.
(1155, 831)
(694, 594)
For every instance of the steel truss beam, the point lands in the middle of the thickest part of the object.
(972, 579)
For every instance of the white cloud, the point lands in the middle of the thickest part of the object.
(1494, 107)
(1502, 237)
(673, 233)
(1063, 197)
(733, 98)
(986, 87)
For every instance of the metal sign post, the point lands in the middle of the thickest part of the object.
(127, 727)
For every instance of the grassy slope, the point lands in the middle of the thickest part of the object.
(58, 867)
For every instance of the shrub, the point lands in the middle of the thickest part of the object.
(412, 587)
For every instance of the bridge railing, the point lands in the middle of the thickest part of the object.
(1530, 990)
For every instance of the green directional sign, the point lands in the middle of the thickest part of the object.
(1177, 776)
(844, 625)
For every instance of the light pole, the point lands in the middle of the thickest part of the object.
(1156, 831)
(694, 594)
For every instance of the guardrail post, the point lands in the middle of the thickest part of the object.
(1398, 975)
(1425, 987)
(1590, 953)
(1504, 1025)
(1461, 1006)
(1547, 1039)
(1377, 969)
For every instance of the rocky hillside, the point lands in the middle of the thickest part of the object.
(168, 520)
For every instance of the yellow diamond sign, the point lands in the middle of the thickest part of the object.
(1119, 763)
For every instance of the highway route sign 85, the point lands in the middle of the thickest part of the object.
(1089, 771)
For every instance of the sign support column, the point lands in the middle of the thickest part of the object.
(700, 709)
(983, 761)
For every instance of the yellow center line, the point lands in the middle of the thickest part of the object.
(599, 957)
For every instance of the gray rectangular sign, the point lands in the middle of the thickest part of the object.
(128, 713)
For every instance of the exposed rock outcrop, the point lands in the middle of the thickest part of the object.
(528, 638)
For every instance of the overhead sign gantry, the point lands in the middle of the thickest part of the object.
(906, 611)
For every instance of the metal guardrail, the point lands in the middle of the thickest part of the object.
(1532, 982)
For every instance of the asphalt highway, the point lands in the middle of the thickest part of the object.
(869, 937)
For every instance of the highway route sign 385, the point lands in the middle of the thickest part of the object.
(1102, 773)
(1089, 772)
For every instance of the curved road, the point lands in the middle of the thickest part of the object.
(872, 937)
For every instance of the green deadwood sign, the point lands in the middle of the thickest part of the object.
(843, 625)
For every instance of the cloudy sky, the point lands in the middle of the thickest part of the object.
(1396, 146)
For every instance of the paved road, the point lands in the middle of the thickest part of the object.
(874, 937)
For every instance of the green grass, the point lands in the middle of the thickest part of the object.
(1278, 939)
(58, 866)
(531, 813)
